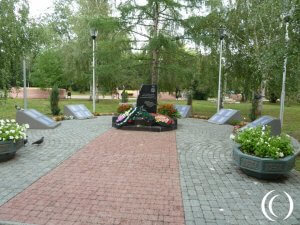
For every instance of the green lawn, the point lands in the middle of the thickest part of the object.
(204, 108)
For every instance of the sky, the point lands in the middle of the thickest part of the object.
(39, 7)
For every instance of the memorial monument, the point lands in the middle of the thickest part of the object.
(226, 116)
(148, 98)
(35, 119)
(77, 111)
(274, 123)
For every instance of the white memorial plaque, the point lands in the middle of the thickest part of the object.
(225, 116)
(77, 111)
(35, 119)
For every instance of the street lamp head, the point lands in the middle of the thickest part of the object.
(222, 33)
(94, 33)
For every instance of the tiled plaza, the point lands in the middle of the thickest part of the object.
(89, 173)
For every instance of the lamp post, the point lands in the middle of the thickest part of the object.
(222, 36)
(94, 34)
(24, 83)
(282, 97)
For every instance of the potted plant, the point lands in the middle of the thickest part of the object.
(12, 136)
(261, 155)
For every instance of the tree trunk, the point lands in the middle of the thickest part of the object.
(190, 97)
(256, 108)
(155, 51)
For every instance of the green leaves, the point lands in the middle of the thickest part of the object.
(259, 142)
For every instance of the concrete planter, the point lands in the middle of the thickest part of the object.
(262, 168)
(8, 149)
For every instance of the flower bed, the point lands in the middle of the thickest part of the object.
(259, 142)
(168, 110)
(142, 120)
(12, 136)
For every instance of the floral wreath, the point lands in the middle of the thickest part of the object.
(123, 118)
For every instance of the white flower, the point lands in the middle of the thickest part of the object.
(263, 128)
(232, 136)
(12, 131)
(17, 137)
(7, 132)
(12, 120)
(11, 137)
(0, 131)
(281, 154)
(287, 135)
(26, 125)
(7, 120)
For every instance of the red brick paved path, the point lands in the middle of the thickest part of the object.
(121, 177)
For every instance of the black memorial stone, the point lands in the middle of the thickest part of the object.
(184, 110)
(148, 97)
(274, 123)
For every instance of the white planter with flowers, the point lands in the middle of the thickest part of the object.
(12, 136)
(259, 154)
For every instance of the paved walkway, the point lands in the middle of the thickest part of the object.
(119, 178)
(33, 162)
(124, 177)
(215, 191)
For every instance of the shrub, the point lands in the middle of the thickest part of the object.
(12, 131)
(259, 142)
(54, 99)
(169, 110)
(123, 108)
(200, 95)
(124, 97)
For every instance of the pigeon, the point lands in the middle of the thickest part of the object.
(18, 107)
(25, 141)
(38, 142)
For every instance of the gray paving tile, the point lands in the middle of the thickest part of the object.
(33, 162)
(210, 181)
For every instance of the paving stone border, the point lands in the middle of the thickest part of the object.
(33, 162)
(214, 190)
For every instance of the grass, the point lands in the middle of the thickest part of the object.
(291, 117)
(204, 108)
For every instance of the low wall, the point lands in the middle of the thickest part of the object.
(36, 93)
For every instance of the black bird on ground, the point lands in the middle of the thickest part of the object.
(38, 142)
(25, 141)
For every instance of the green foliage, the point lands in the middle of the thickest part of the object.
(200, 95)
(47, 70)
(12, 131)
(124, 107)
(54, 99)
(258, 142)
(14, 40)
(168, 110)
(124, 95)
